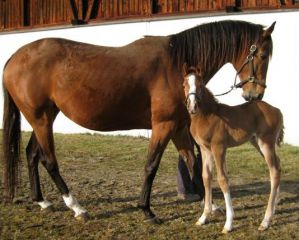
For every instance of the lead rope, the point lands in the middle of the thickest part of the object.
(248, 59)
(234, 86)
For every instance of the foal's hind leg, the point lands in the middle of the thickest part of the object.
(274, 167)
(44, 134)
(254, 143)
(34, 154)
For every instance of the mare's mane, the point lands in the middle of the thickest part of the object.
(213, 43)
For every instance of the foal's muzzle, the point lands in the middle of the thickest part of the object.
(192, 102)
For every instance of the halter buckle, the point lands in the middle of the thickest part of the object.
(251, 79)
(253, 48)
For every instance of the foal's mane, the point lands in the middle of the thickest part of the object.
(208, 103)
(213, 43)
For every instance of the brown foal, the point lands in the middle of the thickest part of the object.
(216, 127)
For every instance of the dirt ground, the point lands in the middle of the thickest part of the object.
(105, 174)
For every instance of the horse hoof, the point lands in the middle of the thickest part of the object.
(153, 220)
(198, 223)
(226, 231)
(262, 228)
(84, 217)
(48, 209)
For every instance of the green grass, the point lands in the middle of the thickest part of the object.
(106, 172)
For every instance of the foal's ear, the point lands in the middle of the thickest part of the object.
(269, 30)
(185, 69)
(198, 71)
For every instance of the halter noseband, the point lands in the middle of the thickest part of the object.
(251, 78)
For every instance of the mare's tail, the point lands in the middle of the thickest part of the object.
(11, 146)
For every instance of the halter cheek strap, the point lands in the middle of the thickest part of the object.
(251, 78)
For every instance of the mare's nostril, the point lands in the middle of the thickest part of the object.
(260, 96)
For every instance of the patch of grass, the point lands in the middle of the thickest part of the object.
(106, 172)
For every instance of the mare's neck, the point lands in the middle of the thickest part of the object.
(216, 63)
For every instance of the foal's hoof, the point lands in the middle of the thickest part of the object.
(84, 217)
(226, 231)
(262, 228)
(153, 220)
(48, 209)
(199, 223)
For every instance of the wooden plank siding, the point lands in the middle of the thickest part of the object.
(27, 14)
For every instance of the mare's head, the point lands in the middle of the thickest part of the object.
(197, 95)
(252, 67)
(246, 45)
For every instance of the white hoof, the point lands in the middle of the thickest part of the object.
(84, 217)
(201, 221)
(226, 231)
(45, 205)
(263, 226)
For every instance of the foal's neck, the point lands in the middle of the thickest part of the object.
(209, 104)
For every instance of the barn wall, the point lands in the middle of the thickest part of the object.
(30, 14)
(283, 74)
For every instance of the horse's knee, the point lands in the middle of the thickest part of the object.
(223, 183)
(52, 167)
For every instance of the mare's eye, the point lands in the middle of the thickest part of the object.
(263, 56)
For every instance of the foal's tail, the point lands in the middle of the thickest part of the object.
(11, 146)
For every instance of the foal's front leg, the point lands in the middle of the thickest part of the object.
(219, 156)
(207, 179)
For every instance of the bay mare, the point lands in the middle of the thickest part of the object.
(137, 86)
(229, 126)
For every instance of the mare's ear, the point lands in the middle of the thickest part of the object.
(269, 30)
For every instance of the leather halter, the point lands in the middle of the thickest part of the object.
(251, 78)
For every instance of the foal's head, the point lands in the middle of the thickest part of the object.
(197, 95)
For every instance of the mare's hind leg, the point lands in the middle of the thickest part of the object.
(34, 154)
(274, 168)
(44, 134)
(161, 133)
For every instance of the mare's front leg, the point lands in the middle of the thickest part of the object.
(161, 133)
(182, 141)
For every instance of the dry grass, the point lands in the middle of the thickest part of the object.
(105, 173)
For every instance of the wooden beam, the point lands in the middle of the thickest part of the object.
(88, 12)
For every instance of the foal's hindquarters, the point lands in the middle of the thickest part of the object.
(216, 149)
